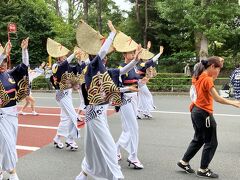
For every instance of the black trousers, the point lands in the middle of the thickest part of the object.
(205, 134)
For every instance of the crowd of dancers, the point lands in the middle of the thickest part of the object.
(100, 87)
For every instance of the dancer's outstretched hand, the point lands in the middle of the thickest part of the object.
(24, 44)
(138, 51)
(161, 49)
(149, 44)
(111, 27)
(7, 48)
(133, 88)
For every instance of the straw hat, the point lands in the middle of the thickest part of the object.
(55, 49)
(146, 55)
(84, 56)
(124, 43)
(88, 39)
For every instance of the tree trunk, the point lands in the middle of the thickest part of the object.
(57, 7)
(197, 37)
(140, 24)
(99, 14)
(85, 10)
(70, 12)
(146, 24)
(203, 53)
(137, 11)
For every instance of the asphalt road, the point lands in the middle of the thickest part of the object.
(163, 140)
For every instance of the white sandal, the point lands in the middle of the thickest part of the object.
(136, 164)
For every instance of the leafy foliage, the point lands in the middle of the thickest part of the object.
(171, 23)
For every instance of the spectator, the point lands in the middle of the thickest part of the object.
(187, 70)
(202, 94)
(235, 81)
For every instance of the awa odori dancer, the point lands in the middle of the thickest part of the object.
(33, 74)
(129, 138)
(14, 87)
(62, 80)
(100, 151)
(146, 70)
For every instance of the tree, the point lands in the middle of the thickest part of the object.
(99, 15)
(146, 24)
(85, 10)
(55, 4)
(33, 22)
(204, 19)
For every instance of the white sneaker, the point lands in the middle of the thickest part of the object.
(13, 177)
(21, 113)
(81, 176)
(57, 143)
(34, 113)
(1, 176)
(148, 116)
(140, 115)
(71, 144)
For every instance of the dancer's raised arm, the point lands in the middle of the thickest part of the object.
(25, 55)
(106, 45)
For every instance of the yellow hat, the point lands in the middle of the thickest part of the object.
(146, 55)
(88, 39)
(55, 49)
(124, 43)
(1, 49)
(84, 56)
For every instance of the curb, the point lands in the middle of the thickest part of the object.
(154, 93)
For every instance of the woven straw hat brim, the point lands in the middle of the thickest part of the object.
(146, 55)
(1, 49)
(84, 56)
(124, 43)
(55, 49)
(88, 39)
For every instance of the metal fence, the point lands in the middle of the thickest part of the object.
(158, 83)
(179, 84)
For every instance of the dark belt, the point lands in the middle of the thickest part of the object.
(103, 103)
(201, 110)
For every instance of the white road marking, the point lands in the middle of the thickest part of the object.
(27, 148)
(44, 114)
(164, 112)
(47, 97)
(188, 113)
(36, 126)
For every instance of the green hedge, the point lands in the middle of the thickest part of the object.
(177, 82)
(162, 82)
(170, 82)
(40, 83)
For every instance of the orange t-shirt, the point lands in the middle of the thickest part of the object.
(204, 99)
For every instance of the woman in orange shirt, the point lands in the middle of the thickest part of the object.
(202, 95)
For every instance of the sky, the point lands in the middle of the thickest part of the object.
(123, 5)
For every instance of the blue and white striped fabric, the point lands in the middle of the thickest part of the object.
(235, 81)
